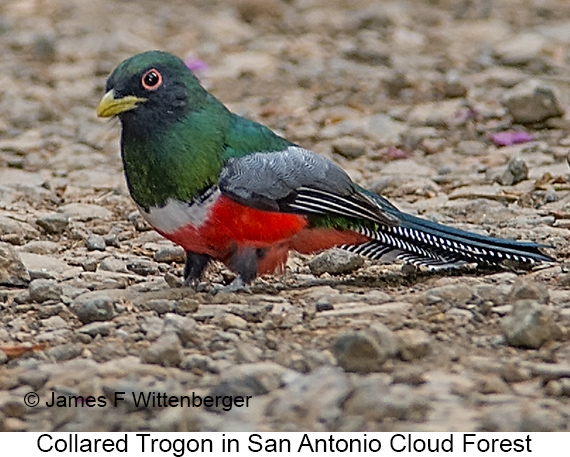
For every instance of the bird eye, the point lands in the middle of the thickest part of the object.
(151, 80)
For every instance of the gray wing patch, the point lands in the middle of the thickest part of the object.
(299, 181)
(266, 178)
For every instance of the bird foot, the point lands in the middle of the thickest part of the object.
(237, 285)
(191, 283)
(195, 285)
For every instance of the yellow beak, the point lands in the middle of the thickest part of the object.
(111, 106)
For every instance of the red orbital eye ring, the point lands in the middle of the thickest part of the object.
(151, 80)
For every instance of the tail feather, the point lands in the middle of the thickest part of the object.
(437, 246)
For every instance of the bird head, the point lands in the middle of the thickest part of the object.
(150, 90)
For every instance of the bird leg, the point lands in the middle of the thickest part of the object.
(194, 268)
(243, 261)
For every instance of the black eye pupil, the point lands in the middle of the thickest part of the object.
(151, 79)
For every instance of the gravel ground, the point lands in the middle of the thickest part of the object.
(412, 98)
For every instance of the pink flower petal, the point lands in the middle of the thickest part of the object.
(510, 137)
(393, 153)
(195, 65)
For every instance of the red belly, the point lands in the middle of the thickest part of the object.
(232, 225)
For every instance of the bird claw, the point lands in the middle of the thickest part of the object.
(237, 285)
(195, 285)
(191, 283)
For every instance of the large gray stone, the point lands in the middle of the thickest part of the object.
(532, 101)
(530, 325)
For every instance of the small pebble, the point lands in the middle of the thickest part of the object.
(454, 86)
(384, 337)
(413, 344)
(95, 243)
(528, 290)
(228, 321)
(349, 147)
(12, 270)
(152, 326)
(166, 351)
(94, 309)
(532, 101)
(336, 262)
(358, 352)
(160, 305)
(184, 327)
(65, 351)
(53, 223)
(89, 264)
(323, 306)
(516, 171)
(530, 325)
(197, 362)
(33, 378)
(170, 254)
(172, 280)
(142, 267)
(113, 264)
(138, 222)
(44, 289)
(111, 239)
(96, 328)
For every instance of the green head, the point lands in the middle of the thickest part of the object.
(151, 91)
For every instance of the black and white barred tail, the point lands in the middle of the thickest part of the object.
(437, 246)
